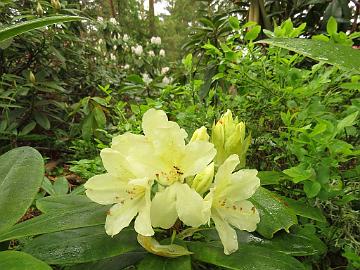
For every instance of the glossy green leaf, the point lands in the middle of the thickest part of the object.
(81, 245)
(327, 52)
(16, 260)
(113, 263)
(275, 214)
(63, 202)
(58, 221)
(247, 257)
(20, 28)
(21, 174)
(304, 210)
(153, 262)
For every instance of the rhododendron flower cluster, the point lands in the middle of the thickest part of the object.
(159, 179)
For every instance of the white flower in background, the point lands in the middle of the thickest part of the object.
(100, 41)
(165, 70)
(113, 21)
(155, 40)
(138, 50)
(146, 78)
(151, 53)
(166, 80)
(112, 56)
(162, 53)
(230, 206)
(100, 19)
(127, 66)
(114, 47)
(126, 38)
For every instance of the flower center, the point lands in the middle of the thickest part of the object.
(169, 177)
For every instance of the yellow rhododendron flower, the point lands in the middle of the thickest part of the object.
(134, 161)
(230, 206)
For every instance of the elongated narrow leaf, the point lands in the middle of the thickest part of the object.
(275, 214)
(20, 28)
(82, 245)
(327, 52)
(21, 174)
(58, 221)
(16, 260)
(153, 262)
(247, 257)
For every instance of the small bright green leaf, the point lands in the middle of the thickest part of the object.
(347, 121)
(21, 174)
(20, 28)
(187, 62)
(58, 221)
(312, 188)
(247, 257)
(81, 245)
(333, 54)
(16, 260)
(234, 23)
(271, 177)
(331, 26)
(253, 33)
(299, 173)
(275, 215)
(153, 262)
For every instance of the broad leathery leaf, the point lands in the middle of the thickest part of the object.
(326, 52)
(81, 245)
(171, 251)
(153, 262)
(21, 174)
(99, 116)
(304, 210)
(275, 214)
(42, 120)
(63, 202)
(20, 28)
(16, 260)
(58, 221)
(247, 257)
(295, 244)
(113, 263)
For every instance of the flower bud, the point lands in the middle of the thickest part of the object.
(39, 9)
(203, 180)
(32, 78)
(228, 136)
(200, 135)
(56, 4)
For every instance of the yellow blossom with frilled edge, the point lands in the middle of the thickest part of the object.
(228, 136)
(229, 204)
(200, 135)
(135, 162)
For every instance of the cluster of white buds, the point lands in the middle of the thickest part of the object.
(155, 40)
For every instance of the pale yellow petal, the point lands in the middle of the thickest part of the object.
(223, 175)
(143, 222)
(197, 156)
(226, 233)
(192, 209)
(120, 216)
(163, 208)
(106, 189)
(244, 184)
(242, 215)
(116, 163)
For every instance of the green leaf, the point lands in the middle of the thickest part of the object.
(113, 263)
(187, 62)
(63, 202)
(42, 120)
(21, 174)
(81, 245)
(234, 23)
(20, 28)
(47, 186)
(312, 188)
(61, 186)
(271, 177)
(299, 173)
(327, 52)
(247, 257)
(100, 117)
(331, 26)
(16, 260)
(58, 221)
(347, 121)
(28, 128)
(153, 262)
(274, 213)
(304, 210)
(253, 33)
(208, 75)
